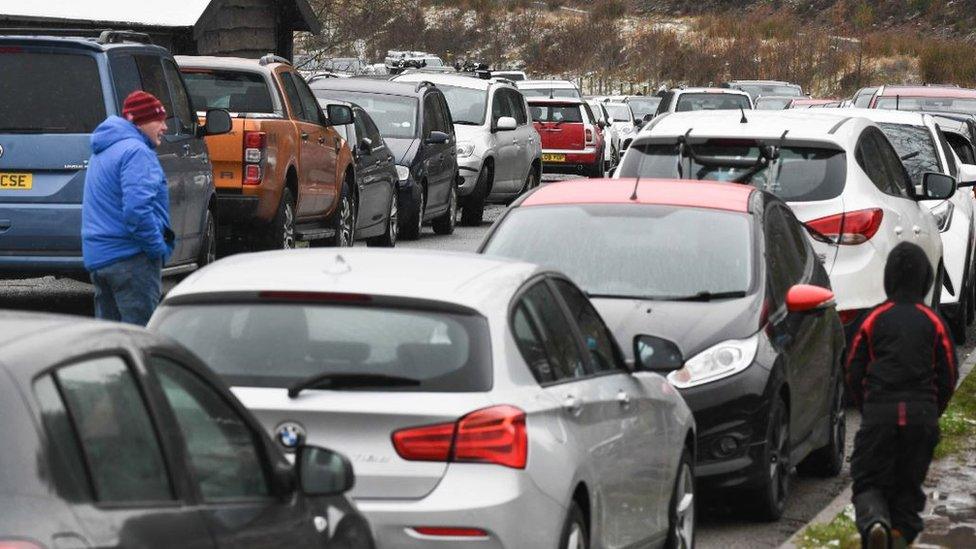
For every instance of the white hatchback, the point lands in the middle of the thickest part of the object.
(839, 174)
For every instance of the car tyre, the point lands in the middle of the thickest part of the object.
(473, 211)
(389, 237)
(681, 513)
(828, 461)
(280, 233)
(575, 534)
(343, 221)
(414, 220)
(445, 223)
(772, 493)
(595, 171)
(208, 248)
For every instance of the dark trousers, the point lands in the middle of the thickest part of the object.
(889, 464)
(128, 290)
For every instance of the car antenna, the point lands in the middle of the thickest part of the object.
(897, 102)
(633, 195)
(743, 120)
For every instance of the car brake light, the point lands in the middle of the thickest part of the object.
(589, 135)
(849, 228)
(255, 144)
(448, 531)
(255, 140)
(492, 435)
(252, 174)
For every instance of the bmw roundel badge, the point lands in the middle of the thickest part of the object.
(290, 435)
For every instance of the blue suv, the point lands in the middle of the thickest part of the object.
(54, 92)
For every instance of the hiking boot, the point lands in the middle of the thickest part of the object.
(877, 537)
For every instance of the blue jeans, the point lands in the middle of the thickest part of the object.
(128, 290)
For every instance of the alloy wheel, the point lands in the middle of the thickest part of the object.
(684, 512)
(779, 460)
(576, 539)
(288, 228)
(346, 222)
(393, 227)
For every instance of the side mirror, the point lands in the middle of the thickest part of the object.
(937, 186)
(967, 175)
(804, 298)
(437, 138)
(218, 123)
(655, 354)
(366, 145)
(339, 115)
(322, 472)
(506, 123)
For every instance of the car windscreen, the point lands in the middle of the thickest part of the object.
(644, 106)
(934, 104)
(394, 115)
(467, 105)
(633, 250)
(278, 345)
(772, 103)
(236, 91)
(915, 147)
(46, 92)
(620, 113)
(798, 174)
(756, 90)
(711, 102)
(556, 113)
(551, 92)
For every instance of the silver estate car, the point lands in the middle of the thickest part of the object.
(483, 402)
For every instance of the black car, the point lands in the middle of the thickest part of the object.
(115, 437)
(416, 125)
(716, 286)
(375, 202)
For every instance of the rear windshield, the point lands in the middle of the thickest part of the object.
(556, 113)
(551, 92)
(644, 106)
(772, 103)
(278, 345)
(49, 92)
(232, 90)
(756, 90)
(935, 104)
(711, 102)
(394, 115)
(799, 174)
(914, 144)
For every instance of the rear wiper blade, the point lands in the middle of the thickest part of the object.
(338, 380)
(912, 154)
(707, 296)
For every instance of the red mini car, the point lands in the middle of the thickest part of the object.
(572, 140)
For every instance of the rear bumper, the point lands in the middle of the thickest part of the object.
(31, 266)
(236, 209)
(576, 162)
(505, 503)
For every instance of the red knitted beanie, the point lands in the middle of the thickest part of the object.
(141, 108)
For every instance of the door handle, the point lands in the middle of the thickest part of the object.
(304, 136)
(899, 230)
(573, 403)
(623, 398)
(916, 229)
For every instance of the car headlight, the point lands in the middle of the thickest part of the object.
(465, 149)
(626, 130)
(943, 215)
(403, 173)
(718, 361)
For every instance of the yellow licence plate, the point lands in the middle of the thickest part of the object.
(554, 158)
(16, 181)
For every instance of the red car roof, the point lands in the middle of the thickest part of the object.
(667, 192)
(928, 91)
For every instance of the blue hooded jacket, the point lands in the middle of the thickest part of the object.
(125, 209)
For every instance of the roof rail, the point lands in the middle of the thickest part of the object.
(272, 58)
(424, 84)
(50, 31)
(116, 37)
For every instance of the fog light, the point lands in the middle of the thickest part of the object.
(726, 446)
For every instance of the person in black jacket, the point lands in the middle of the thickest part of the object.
(901, 372)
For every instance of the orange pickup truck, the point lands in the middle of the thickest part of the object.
(283, 175)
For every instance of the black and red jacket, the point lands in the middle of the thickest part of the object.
(902, 363)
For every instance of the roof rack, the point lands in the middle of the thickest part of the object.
(116, 37)
(272, 58)
(102, 36)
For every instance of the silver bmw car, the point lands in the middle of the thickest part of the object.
(482, 401)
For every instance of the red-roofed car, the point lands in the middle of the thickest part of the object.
(925, 98)
(572, 140)
(717, 287)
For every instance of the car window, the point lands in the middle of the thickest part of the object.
(236, 91)
(430, 115)
(123, 455)
(501, 106)
(665, 103)
(181, 102)
(64, 455)
(915, 146)
(947, 148)
(294, 99)
(556, 113)
(518, 107)
(144, 72)
(372, 132)
(711, 101)
(220, 445)
(871, 156)
(894, 168)
(590, 117)
(444, 121)
(962, 147)
(310, 107)
(598, 339)
(358, 132)
(396, 116)
(539, 313)
(784, 266)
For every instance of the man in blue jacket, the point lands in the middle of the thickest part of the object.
(125, 229)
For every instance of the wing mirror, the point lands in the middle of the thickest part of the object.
(967, 175)
(937, 186)
(322, 472)
(437, 138)
(366, 145)
(218, 123)
(655, 354)
(804, 298)
(505, 123)
(339, 115)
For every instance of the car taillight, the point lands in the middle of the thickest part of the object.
(589, 135)
(491, 435)
(849, 228)
(255, 144)
(450, 532)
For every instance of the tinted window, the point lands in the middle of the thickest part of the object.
(799, 174)
(962, 147)
(444, 122)
(118, 438)
(467, 105)
(431, 122)
(556, 113)
(153, 79)
(219, 443)
(49, 93)
(310, 107)
(638, 251)
(518, 107)
(501, 106)
(596, 337)
(784, 264)
(372, 132)
(395, 116)
(539, 309)
(231, 90)
(711, 102)
(294, 100)
(63, 452)
(894, 170)
(181, 102)
(271, 345)
(915, 147)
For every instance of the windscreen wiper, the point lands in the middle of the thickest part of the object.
(338, 380)
(707, 296)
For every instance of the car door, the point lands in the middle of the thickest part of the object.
(380, 183)
(506, 142)
(317, 159)
(141, 70)
(441, 165)
(525, 136)
(228, 467)
(98, 424)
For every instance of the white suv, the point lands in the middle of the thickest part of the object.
(553, 89)
(499, 152)
(703, 99)
(839, 174)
